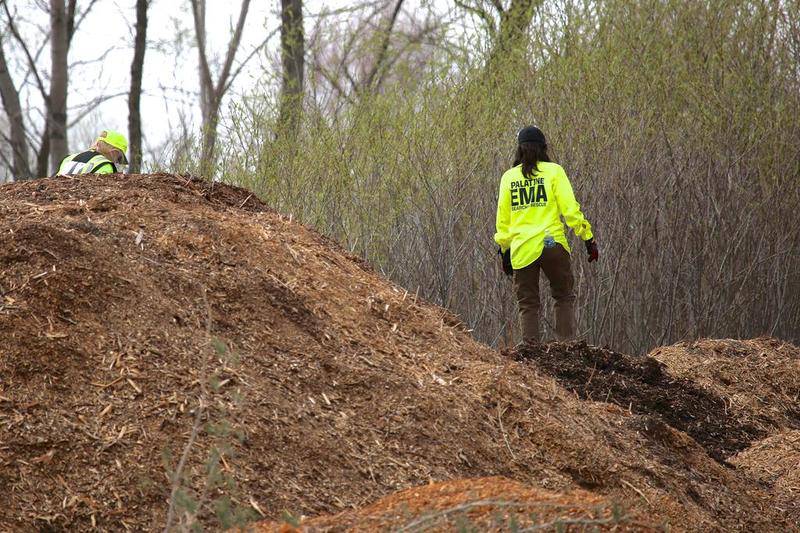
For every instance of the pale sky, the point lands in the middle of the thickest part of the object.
(102, 51)
(170, 84)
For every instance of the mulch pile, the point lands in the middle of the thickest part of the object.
(642, 385)
(775, 462)
(759, 379)
(153, 324)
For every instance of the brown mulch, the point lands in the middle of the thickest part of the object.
(775, 462)
(483, 504)
(642, 385)
(759, 379)
(142, 313)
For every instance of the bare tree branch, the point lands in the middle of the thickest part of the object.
(376, 5)
(77, 23)
(38, 54)
(347, 49)
(199, 15)
(91, 105)
(71, 19)
(412, 40)
(100, 59)
(488, 20)
(211, 93)
(232, 47)
(387, 35)
(250, 56)
(10, 98)
(31, 63)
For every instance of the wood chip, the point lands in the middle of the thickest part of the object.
(241, 205)
(256, 507)
(134, 385)
(46, 458)
(640, 493)
(106, 385)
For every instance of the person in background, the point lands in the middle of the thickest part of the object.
(534, 194)
(106, 154)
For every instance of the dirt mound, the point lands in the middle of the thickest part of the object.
(759, 379)
(153, 325)
(775, 462)
(482, 504)
(641, 385)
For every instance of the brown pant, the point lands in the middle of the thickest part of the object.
(556, 266)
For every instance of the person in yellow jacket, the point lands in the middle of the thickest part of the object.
(534, 194)
(103, 157)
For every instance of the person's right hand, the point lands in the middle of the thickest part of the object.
(505, 258)
(591, 249)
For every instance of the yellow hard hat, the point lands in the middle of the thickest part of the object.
(117, 140)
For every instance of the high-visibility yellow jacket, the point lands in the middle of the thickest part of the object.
(528, 210)
(88, 162)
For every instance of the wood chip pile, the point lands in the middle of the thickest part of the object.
(168, 345)
(775, 462)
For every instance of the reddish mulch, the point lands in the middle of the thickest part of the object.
(141, 313)
(483, 504)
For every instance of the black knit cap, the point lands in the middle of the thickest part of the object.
(531, 134)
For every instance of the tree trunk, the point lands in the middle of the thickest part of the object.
(59, 47)
(44, 150)
(134, 97)
(210, 93)
(210, 123)
(209, 127)
(20, 168)
(292, 59)
(206, 83)
(514, 23)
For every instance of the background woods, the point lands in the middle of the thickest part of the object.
(386, 125)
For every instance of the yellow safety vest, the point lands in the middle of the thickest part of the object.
(88, 162)
(529, 210)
